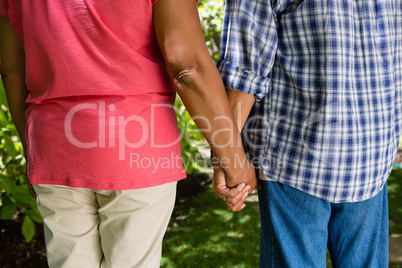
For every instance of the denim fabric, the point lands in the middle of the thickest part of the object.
(297, 228)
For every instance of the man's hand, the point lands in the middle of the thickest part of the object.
(243, 173)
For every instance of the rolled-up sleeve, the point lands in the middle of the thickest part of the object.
(248, 46)
(4, 8)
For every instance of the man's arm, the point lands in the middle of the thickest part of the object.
(12, 71)
(241, 104)
(199, 84)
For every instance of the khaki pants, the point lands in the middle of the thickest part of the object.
(97, 228)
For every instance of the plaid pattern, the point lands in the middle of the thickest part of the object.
(327, 75)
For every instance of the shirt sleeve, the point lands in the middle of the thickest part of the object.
(4, 8)
(248, 46)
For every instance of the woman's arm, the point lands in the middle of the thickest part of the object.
(200, 86)
(12, 71)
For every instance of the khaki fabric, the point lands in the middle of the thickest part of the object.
(98, 228)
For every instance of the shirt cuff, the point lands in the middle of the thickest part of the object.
(4, 10)
(243, 80)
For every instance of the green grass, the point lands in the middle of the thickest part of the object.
(203, 233)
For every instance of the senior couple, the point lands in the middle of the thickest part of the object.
(312, 108)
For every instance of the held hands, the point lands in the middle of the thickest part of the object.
(233, 197)
(234, 188)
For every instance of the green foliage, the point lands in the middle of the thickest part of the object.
(192, 140)
(211, 16)
(14, 193)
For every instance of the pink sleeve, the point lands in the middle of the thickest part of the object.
(154, 2)
(4, 8)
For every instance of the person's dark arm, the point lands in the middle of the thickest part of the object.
(199, 85)
(12, 71)
(241, 104)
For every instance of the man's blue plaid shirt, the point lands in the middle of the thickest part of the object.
(327, 75)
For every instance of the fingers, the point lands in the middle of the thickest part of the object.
(234, 197)
(231, 195)
(236, 203)
(220, 187)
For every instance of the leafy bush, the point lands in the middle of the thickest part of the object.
(211, 16)
(192, 141)
(14, 193)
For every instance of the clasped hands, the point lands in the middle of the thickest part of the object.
(234, 188)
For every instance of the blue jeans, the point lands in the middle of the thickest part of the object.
(297, 228)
